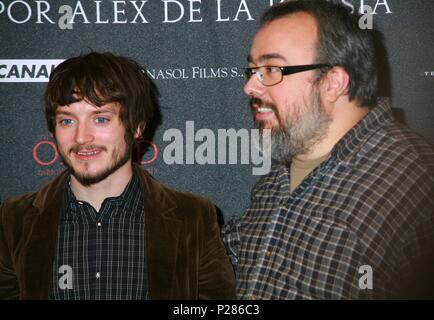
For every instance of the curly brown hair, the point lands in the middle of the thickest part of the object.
(101, 78)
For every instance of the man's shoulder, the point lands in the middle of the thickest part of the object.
(184, 201)
(16, 207)
(405, 137)
(190, 207)
(399, 141)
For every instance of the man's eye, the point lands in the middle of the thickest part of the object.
(65, 122)
(272, 69)
(101, 120)
(249, 72)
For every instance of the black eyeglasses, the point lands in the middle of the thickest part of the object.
(272, 75)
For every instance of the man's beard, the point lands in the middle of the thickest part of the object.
(86, 179)
(299, 131)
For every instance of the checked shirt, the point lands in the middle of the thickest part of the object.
(103, 251)
(369, 205)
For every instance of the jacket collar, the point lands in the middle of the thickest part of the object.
(49, 198)
(157, 199)
(162, 233)
(162, 237)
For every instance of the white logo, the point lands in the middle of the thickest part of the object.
(350, 4)
(365, 281)
(121, 12)
(195, 73)
(21, 70)
(65, 281)
(254, 147)
(366, 21)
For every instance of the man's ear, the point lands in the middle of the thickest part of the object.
(335, 84)
(139, 131)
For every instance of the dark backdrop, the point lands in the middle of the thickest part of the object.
(195, 51)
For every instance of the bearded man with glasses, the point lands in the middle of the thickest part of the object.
(347, 210)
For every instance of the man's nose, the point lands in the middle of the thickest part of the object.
(254, 87)
(83, 133)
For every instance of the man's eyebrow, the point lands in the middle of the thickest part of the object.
(63, 112)
(266, 57)
(100, 110)
(104, 110)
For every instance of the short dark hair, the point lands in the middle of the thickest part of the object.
(101, 78)
(340, 42)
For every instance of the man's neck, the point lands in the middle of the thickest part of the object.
(344, 118)
(112, 186)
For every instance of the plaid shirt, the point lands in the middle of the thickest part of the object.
(371, 203)
(103, 251)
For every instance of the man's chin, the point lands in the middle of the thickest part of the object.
(90, 179)
(87, 178)
(264, 124)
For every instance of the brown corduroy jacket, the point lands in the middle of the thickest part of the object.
(184, 254)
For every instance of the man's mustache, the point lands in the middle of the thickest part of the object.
(78, 148)
(255, 103)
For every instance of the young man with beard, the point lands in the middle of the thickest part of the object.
(104, 228)
(347, 211)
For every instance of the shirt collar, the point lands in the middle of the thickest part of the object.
(345, 148)
(358, 135)
(127, 200)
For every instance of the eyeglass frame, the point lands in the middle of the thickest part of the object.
(285, 70)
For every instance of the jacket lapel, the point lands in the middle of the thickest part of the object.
(162, 232)
(41, 227)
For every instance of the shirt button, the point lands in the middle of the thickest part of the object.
(97, 275)
(79, 202)
(99, 224)
(268, 253)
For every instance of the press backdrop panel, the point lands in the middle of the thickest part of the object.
(195, 51)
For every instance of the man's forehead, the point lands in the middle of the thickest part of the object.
(265, 57)
(112, 107)
(295, 34)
